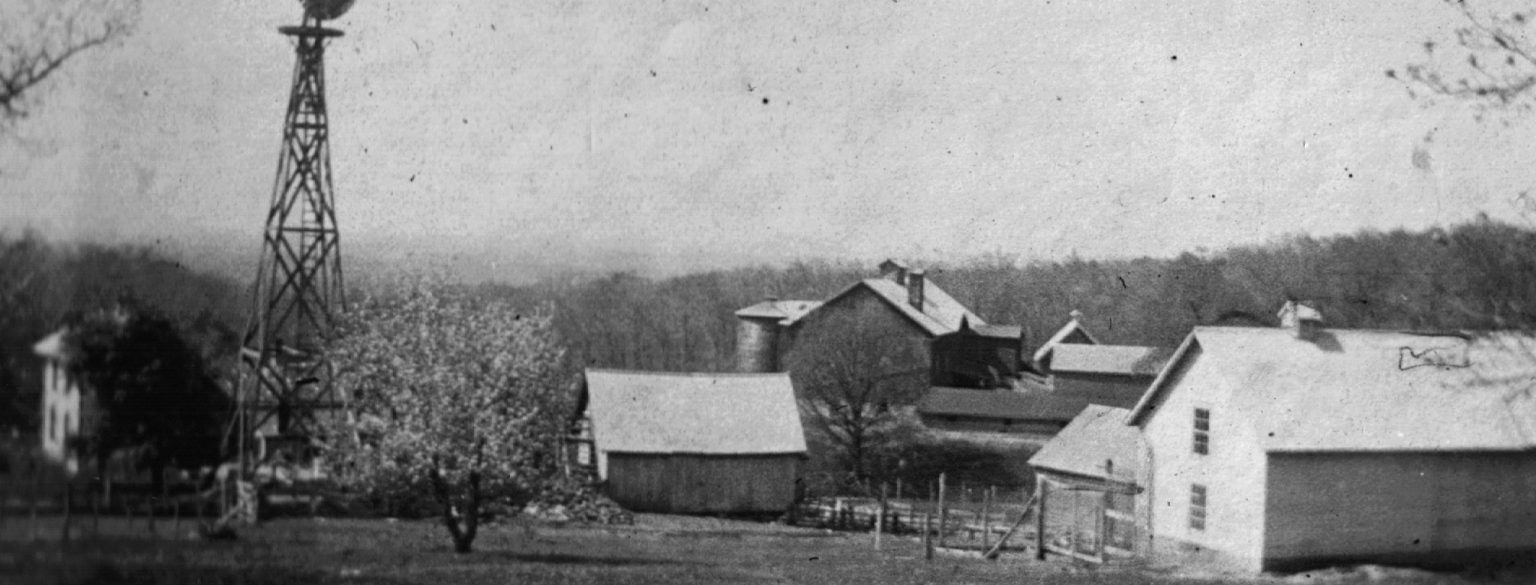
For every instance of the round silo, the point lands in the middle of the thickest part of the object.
(757, 337)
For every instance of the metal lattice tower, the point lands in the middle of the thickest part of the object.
(285, 384)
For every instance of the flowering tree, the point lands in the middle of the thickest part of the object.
(461, 399)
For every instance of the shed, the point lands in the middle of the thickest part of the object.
(1284, 448)
(695, 443)
(1085, 482)
(1111, 375)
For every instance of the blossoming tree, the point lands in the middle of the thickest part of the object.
(451, 396)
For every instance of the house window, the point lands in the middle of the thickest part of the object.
(53, 423)
(1197, 507)
(1202, 431)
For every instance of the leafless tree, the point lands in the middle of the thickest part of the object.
(37, 37)
(852, 374)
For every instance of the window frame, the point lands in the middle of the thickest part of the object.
(1199, 498)
(1202, 431)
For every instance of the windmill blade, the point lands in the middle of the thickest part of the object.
(327, 9)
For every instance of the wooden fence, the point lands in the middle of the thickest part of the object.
(986, 519)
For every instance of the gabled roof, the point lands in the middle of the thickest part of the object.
(785, 312)
(1357, 390)
(999, 404)
(1126, 360)
(1096, 435)
(941, 313)
(52, 346)
(1073, 327)
(658, 412)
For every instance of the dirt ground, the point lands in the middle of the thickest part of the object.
(657, 549)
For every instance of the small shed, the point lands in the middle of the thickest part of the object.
(695, 443)
(1085, 482)
(980, 356)
(1111, 375)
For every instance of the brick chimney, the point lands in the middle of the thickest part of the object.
(1303, 321)
(915, 283)
(895, 270)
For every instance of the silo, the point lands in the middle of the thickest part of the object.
(757, 337)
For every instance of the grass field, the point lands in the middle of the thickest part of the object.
(657, 549)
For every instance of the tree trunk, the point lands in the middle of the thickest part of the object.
(462, 524)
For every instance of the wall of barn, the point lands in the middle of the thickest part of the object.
(877, 316)
(1233, 473)
(1399, 507)
(702, 484)
(1041, 430)
(1106, 389)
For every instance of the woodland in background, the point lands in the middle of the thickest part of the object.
(1478, 275)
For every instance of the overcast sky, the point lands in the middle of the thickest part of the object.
(669, 135)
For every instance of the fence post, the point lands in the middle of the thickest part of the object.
(36, 479)
(95, 510)
(927, 536)
(943, 513)
(880, 517)
(1043, 488)
(69, 493)
(986, 518)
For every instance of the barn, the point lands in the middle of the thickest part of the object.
(1299, 446)
(695, 443)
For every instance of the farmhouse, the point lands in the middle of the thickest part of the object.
(61, 401)
(900, 299)
(1282, 448)
(694, 443)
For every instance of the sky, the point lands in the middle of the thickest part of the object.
(516, 140)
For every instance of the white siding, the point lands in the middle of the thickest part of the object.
(61, 412)
(1233, 472)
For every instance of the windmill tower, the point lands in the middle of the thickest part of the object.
(285, 387)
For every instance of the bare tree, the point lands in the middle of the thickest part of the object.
(37, 37)
(853, 373)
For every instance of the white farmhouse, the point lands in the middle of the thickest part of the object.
(61, 401)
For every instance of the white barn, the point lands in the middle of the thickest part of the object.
(1284, 448)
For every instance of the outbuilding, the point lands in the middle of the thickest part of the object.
(1285, 448)
(694, 443)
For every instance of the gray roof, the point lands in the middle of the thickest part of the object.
(999, 404)
(663, 412)
(785, 312)
(1364, 391)
(941, 313)
(52, 346)
(1127, 360)
(1060, 337)
(1096, 435)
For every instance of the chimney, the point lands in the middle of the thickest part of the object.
(895, 270)
(1303, 321)
(915, 289)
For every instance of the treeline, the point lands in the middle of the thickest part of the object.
(44, 283)
(1478, 275)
